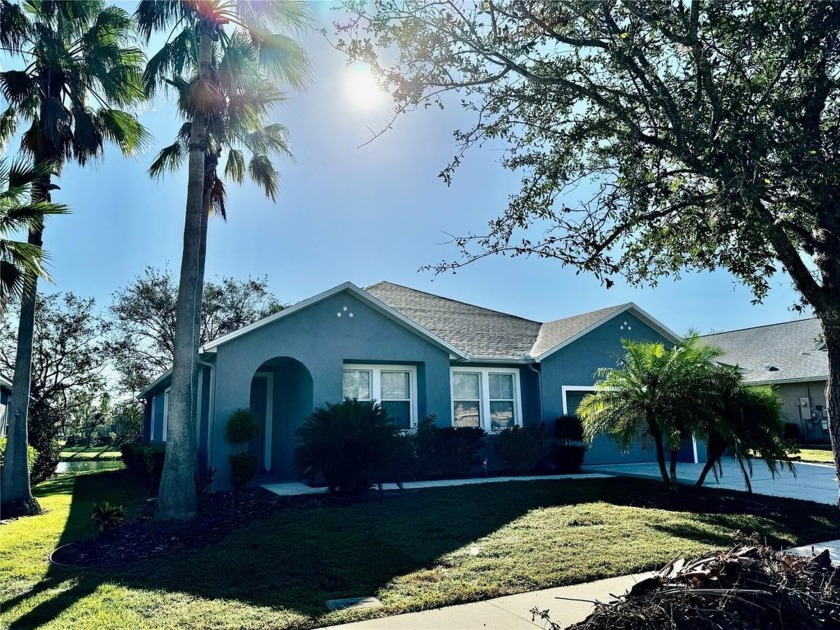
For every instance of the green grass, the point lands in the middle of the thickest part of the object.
(815, 455)
(99, 453)
(412, 550)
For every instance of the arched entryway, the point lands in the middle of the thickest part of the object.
(281, 397)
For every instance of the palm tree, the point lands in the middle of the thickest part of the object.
(745, 421)
(79, 67)
(654, 393)
(19, 213)
(190, 62)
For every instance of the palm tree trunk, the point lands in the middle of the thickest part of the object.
(17, 499)
(656, 434)
(177, 497)
(715, 448)
(673, 468)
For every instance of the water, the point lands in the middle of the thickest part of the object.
(87, 465)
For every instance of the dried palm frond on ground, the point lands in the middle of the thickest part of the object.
(745, 587)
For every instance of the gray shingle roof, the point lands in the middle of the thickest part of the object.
(554, 333)
(790, 347)
(481, 332)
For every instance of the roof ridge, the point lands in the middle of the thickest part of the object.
(448, 299)
(734, 330)
(606, 308)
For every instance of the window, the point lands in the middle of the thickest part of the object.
(165, 414)
(393, 386)
(466, 399)
(486, 398)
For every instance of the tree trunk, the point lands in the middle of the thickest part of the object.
(17, 499)
(176, 497)
(660, 451)
(715, 448)
(673, 468)
(831, 330)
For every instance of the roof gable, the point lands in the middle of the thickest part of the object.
(352, 289)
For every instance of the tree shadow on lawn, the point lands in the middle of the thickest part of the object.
(296, 560)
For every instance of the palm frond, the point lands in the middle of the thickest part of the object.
(283, 58)
(157, 15)
(264, 174)
(15, 27)
(235, 166)
(123, 129)
(169, 159)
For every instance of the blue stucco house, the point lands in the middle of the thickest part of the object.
(5, 394)
(417, 353)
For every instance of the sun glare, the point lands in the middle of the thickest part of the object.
(361, 89)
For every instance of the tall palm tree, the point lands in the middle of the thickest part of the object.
(195, 30)
(654, 393)
(80, 67)
(19, 213)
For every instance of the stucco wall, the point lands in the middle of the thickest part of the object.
(576, 364)
(791, 394)
(323, 343)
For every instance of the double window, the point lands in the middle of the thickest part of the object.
(486, 398)
(393, 386)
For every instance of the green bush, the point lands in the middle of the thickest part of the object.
(32, 454)
(242, 427)
(46, 462)
(447, 451)
(243, 467)
(107, 516)
(521, 449)
(351, 446)
(145, 462)
(568, 429)
(567, 456)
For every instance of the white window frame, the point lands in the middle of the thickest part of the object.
(574, 388)
(484, 389)
(376, 383)
(165, 422)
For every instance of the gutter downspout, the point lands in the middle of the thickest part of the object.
(531, 367)
(211, 408)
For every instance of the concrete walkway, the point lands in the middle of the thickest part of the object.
(813, 482)
(292, 489)
(508, 613)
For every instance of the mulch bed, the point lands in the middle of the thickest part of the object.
(750, 586)
(141, 537)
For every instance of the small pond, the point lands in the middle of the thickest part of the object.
(86, 465)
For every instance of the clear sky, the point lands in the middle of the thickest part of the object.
(366, 214)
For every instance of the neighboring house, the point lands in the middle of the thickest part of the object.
(5, 394)
(418, 354)
(790, 356)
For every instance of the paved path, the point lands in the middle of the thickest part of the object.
(507, 613)
(296, 489)
(813, 482)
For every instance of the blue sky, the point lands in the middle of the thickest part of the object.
(361, 214)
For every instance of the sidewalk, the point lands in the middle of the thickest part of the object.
(512, 612)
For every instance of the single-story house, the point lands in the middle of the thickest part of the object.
(5, 394)
(416, 353)
(792, 357)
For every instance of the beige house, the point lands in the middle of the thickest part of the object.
(791, 356)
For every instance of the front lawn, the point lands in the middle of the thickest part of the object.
(99, 453)
(815, 455)
(412, 550)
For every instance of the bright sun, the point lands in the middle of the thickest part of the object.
(361, 89)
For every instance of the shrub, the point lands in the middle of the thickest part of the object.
(521, 449)
(243, 467)
(145, 462)
(242, 427)
(568, 429)
(568, 458)
(46, 461)
(792, 433)
(447, 451)
(107, 516)
(31, 453)
(351, 446)
(204, 481)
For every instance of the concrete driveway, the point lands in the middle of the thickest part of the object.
(813, 482)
